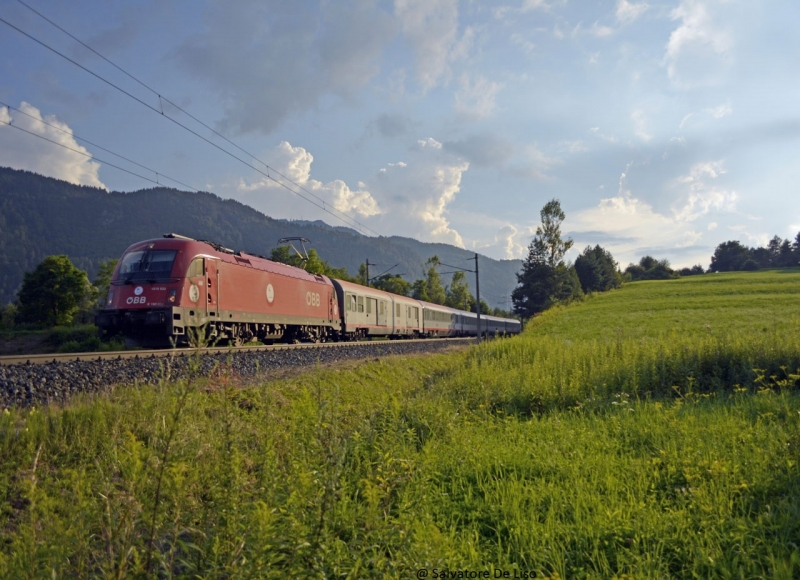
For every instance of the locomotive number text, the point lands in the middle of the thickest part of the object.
(312, 298)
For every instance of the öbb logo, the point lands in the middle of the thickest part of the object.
(312, 299)
(136, 299)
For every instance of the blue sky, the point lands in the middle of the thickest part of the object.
(663, 128)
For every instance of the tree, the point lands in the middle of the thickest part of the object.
(393, 283)
(419, 290)
(650, 268)
(53, 293)
(693, 271)
(283, 254)
(8, 315)
(545, 279)
(429, 288)
(102, 281)
(597, 270)
(729, 257)
(458, 294)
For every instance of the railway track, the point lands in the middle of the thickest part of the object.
(38, 359)
(32, 380)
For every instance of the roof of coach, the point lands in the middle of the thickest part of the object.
(439, 307)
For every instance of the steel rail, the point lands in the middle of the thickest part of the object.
(40, 359)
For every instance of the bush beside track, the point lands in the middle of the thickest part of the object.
(27, 384)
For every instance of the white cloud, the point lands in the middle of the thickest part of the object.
(431, 27)
(627, 12)
(576, 146)
(506, 243)
(699, 196)
(696, 47)
(416, 196)
(640, 125)
(629, 226)
(720, 111)
(409, 197)
(526, 45)
(604, 137)
(22, 151)
(295, 164)
(601, 31)
(476, 98)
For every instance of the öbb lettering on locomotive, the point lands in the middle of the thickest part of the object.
(164, 290)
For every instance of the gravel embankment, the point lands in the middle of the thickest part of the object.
(26, 384)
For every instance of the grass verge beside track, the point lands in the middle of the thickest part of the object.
(653, 431)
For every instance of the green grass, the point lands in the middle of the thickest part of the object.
(651, 432)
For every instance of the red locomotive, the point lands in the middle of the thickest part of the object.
(164, 289)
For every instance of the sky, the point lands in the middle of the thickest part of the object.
(663, 128)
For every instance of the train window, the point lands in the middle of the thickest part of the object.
(196, 268)
(398, 310)
(416, 313)
(347, 298)
(143, 265)
(361, 304)
(369, 306)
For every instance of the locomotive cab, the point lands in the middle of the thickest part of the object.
(146, 292)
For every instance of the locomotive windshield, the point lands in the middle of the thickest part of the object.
(146, 265)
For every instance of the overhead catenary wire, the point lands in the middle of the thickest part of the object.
(89, 155)
(268, 176)
(160, 111)
(157, 173)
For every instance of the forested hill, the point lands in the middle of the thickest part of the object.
(41, 216)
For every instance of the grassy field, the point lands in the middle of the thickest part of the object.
(649, 432)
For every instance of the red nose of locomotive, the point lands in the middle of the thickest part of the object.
(145, 290)
(138, 296)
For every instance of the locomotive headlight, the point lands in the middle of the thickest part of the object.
(173, 296)
(110, 298)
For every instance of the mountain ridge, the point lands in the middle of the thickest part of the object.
(41, 216)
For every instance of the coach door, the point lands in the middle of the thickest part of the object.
(372, 311)
(383, 314)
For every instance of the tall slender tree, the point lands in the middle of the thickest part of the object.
(545, 279)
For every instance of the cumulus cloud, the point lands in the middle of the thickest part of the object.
(295, 164)
(627, 12)
(22, 151)
(409, 197)
(476, 96)
(697, 47)
(508, 243)
(269, 60)
(700, 196)
(631, 226)
(418, 193)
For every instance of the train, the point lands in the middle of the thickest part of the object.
(167, 290)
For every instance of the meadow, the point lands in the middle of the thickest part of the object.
(649, 432)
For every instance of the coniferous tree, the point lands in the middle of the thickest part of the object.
(458, 294)
(597, 270)
(729, 256)
(545, 279)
